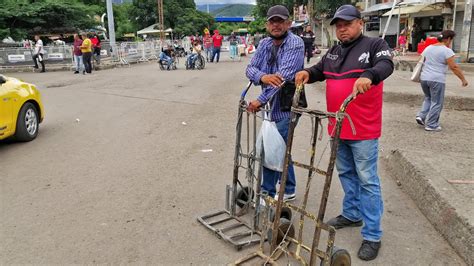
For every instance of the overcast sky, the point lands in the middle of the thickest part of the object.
(200, 2)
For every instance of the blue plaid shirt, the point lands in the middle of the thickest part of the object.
(289, 60)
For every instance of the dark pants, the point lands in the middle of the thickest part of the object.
(216, 51)
(87, 61)
(308, 49)
(40, 58)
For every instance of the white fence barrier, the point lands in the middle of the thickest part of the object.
(20, 57)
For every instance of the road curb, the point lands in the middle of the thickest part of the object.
(452, 225)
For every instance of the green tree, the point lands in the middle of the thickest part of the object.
(124, 22)
(180, 15)
(192, 21)
(258, 25)
(23, 18)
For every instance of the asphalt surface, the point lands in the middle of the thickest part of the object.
(122, 167)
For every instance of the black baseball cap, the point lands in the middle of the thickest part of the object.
(278, 11)
(345, 12)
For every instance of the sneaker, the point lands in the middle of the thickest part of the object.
(287, 197)
(420, 121)
(369, 250)
(341, 222)
(438, 128)
(76, 72)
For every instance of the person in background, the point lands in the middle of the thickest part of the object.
(166, 55)
(96, 48)
(357, 66)
(86, 49)
(308, 38)
(217, 43)
(257, 39)
(438, 57)
(78, 54)
(402, 42)
(196, 50)
(38, 54)
(417, 35)
(207, 40)
(233, 41)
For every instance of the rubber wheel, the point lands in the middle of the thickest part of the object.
(243, 194)
(339, 257)
(27, 124)
(200, 62)
(285, 226)
(285, 213)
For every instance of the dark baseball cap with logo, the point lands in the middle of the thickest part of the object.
(346, 12)
(278, 11)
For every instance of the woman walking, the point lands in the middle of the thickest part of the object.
(438, 57)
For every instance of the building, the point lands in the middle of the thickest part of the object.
(431, 16)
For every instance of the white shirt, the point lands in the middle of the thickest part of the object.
(39, 47)
(197, 49)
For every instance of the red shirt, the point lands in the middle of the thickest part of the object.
(217, 40)
(77, 44)
(95, 42)
(207, 41)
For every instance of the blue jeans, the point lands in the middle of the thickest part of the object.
(208, 52)
(216, 51)
(233, 50)
(167, 59)
(357, 166)
(79, 63)
(433, 102)
(191, 60)
(270, 177)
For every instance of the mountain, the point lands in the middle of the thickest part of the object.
(227, 10)
(234, 10)
(212, 7)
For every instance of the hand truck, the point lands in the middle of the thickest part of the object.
(228, 224)
(283, 228)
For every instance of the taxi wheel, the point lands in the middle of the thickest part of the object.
(27, 124)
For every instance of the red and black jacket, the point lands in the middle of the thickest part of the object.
(341, 66)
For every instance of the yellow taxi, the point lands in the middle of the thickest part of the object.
(21, 110)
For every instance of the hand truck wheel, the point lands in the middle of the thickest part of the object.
(285, 226)
(339, 257)
(244, 196)
(285, 213)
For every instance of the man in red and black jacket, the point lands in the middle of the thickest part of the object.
(358, 65)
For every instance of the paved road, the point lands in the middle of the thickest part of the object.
(116, 177)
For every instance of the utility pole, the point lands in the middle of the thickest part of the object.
(309, 13)
(466, 29)
(161, 21)
(110, 21)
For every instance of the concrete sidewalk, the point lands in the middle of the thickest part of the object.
(435, 169)
(414, 57)
(399, 88)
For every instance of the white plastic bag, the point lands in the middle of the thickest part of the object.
(274, 146)
(415, 76)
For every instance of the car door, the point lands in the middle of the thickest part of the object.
(6, 105)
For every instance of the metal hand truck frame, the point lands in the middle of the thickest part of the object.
(240, 198)
(283, 228)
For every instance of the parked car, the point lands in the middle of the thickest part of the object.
(21, 110)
